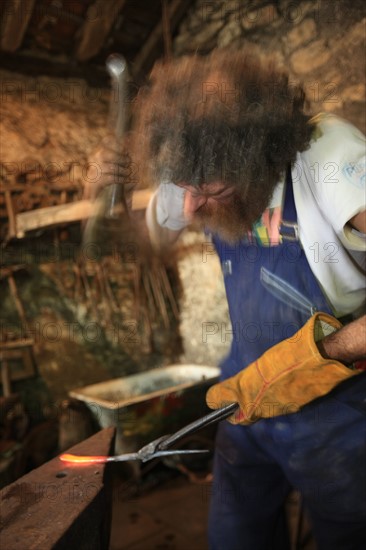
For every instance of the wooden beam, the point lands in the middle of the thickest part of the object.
(31, 63)
(17, 14)
(43, 218)
(147, 54)
(51, 216)
(99, 20)
(61, 507)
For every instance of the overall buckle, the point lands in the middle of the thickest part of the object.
(289, 231)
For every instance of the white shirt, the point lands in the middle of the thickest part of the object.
(329, 189)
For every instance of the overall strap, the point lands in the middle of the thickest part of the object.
(288, 228)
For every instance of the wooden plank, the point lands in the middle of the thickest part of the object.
(11, 215)
(16, 344)
(52, 216)
(5, 378)
(140, 199)
(61, 507)
(10, 354)
(147, 54)
(99, 20)
(17, 14)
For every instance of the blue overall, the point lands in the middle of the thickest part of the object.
(320, 450)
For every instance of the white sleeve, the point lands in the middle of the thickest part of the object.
(336, 161)
(164, 215)
(170, 206)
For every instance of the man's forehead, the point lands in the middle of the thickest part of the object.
(210, 188)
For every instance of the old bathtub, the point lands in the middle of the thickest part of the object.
(149, 404)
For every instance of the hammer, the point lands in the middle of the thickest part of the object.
(117, 69)
(109, 202)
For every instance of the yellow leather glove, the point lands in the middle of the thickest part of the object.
(285, 377)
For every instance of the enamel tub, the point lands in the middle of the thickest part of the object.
(147, 405)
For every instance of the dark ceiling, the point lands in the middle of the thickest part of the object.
(73, 38)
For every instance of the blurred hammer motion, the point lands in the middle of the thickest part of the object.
(111, 226)
(112, 163)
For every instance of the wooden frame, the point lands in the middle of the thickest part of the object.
(16, 362)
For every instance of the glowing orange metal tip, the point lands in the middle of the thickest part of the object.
(75, 459)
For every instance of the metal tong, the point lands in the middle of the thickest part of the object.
(160, 447)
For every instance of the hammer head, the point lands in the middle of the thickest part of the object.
(116, 65)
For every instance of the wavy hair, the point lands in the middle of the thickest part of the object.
(231, 116)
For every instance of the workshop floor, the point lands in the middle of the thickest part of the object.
(173, 516)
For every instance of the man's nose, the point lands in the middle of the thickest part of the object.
(192, 203)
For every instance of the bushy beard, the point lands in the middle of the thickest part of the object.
(230, 220)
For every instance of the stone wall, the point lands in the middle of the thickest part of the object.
(321, 42)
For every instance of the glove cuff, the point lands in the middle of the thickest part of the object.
(318, 327)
